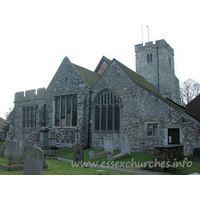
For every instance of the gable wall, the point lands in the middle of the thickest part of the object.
(68, 136)
(64, 136)
(140, 107)
(102, 68)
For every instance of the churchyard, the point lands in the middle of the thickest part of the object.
(60, 167)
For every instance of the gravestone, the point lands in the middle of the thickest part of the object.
(1, 151)
(13, 150)
(125, 145)
(33, 161)
(108, 145)
(196, 154)
(44, 136)
(110, 157)
(91, 155)
(78, 153)
(7, 148)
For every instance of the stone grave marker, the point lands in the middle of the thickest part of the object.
(13, 150)
(1, 151)
(91, 155)
(125, 145)
(7, 148)
(108, 145)
(196, 154)
(78, 153)
(14, 146)
(33, 161)
(110, 157)
(44, 136)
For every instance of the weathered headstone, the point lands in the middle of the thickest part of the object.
(7, 148)
(14, 145)
(78, 153)
(125, 145)
(110, 157)
(196, 154)
(44, 136)
(1, 151)
(13, 150)
(108, 145)
(33, 161)
(91, 155)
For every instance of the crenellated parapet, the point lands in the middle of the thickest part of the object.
(158, 43)
(30, 95)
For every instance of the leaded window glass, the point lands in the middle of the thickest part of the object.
(66, 110)
(74, 115)
(106, 111)
(57, 112)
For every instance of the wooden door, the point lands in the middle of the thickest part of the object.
(173, 136)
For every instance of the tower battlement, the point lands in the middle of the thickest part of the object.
(158, 43)
(30, 95)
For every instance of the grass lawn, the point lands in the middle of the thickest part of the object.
(58, 167)
(137, 156)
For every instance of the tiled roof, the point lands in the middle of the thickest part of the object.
(139, 80)
(89, 77)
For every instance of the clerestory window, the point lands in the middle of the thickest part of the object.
(106, 111)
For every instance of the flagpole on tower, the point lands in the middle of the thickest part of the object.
(148, 32)
(142, 36)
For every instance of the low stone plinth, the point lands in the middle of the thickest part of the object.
(111, 157)
(169, 152)
(13, 166)
(18, 165)
(165, 156)
(98, 155)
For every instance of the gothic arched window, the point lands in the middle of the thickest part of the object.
(106, 111)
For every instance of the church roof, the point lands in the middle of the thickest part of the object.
(193, 108)
(103, 59)
(89, 77)
(136, 78)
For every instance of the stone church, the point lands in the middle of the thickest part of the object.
(112, 101)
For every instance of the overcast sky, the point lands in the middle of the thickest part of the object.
(37, 35)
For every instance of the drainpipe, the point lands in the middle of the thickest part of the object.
(158, 70)
(88, 145)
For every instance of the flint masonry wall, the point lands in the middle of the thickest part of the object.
(159, 70)
(24, 101)
(68, 136)
(140, 107)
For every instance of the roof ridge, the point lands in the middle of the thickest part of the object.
(101, 61)
(141, 81)
(88, 76)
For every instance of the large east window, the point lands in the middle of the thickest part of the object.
(106, 112)
(66, 110)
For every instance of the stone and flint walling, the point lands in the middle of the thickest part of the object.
(86, 106)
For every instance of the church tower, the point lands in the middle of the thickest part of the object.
(155, 62)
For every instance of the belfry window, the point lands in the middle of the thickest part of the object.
(106, 112)
(169, 61)
(149, 58)
(66, 110)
